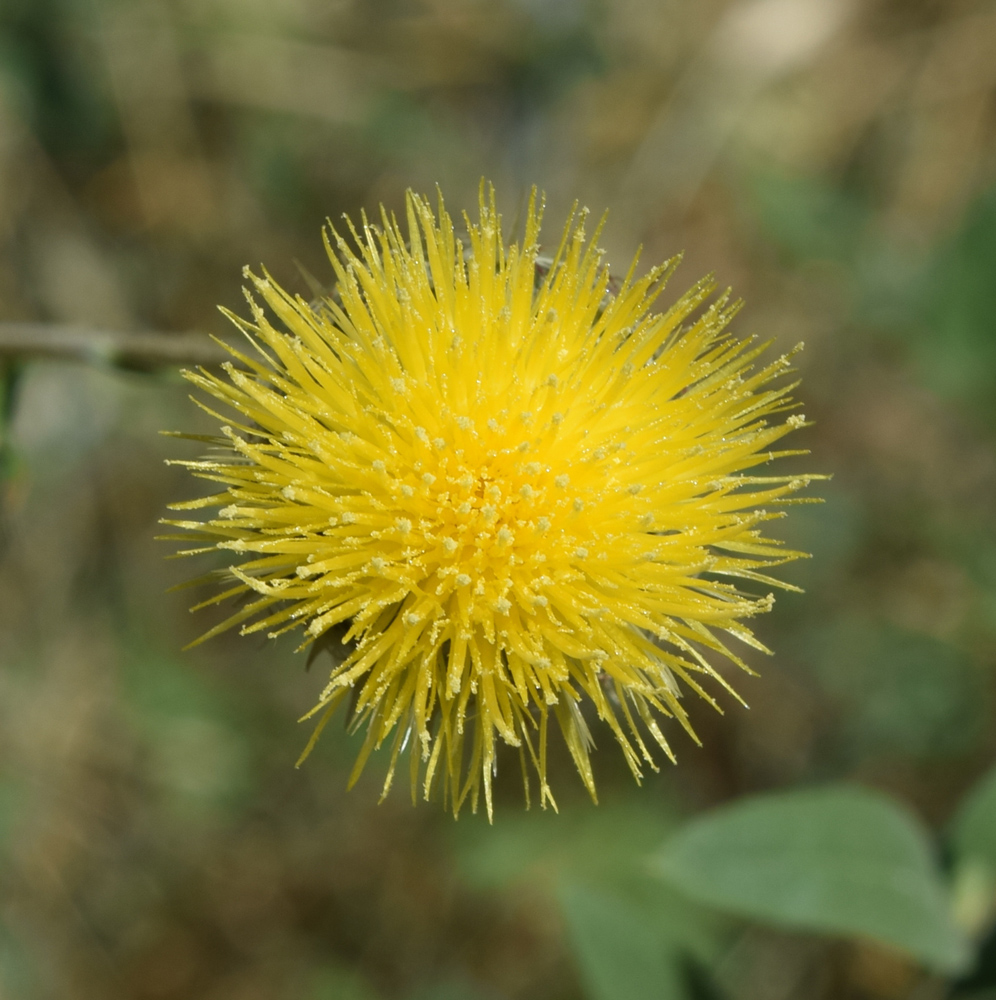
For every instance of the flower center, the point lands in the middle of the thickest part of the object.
(485, 519)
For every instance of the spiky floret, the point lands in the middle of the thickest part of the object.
(519, 489)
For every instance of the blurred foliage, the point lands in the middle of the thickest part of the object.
(897, 691)
(837, 165)
(958, 354)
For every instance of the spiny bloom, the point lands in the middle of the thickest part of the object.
(517, 491)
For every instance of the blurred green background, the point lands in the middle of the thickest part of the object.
(835, 162)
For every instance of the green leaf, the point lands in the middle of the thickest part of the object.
(973, 843)
(620, 954)
(840, 860)
(974, 828)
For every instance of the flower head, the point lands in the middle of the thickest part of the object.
(513, 491)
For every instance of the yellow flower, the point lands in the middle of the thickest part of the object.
(518, 491)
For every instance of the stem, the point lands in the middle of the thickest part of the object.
(138, 350)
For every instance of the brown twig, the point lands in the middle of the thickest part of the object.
(138, 350)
